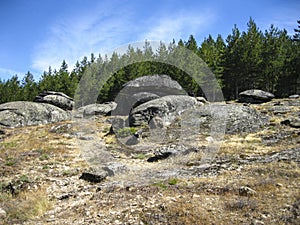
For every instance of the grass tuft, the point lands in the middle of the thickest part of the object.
(27, 205)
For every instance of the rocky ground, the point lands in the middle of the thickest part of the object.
(252, 179)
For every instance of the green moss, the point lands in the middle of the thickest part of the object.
(126, 131)
(24, 178)
(140, 156)
(173, 181)
(44, 156)
(45, 167)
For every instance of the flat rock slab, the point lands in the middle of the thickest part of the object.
(294, 96)
(155, 84)
(58, 99)
(255, 96)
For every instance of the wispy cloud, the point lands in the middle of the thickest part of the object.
(178, 25)
(101, 31)
(71, 39)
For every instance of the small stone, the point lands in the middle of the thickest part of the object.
(295, 122)
(202, 100)
(277, 103)
(294, 96)
(263, 216)
(64, 196)
(292, 122)
(172, 199)
(60, 128)
(86, 138)
(133, 140)
(279, 185)
(2, 214)
(193, 163)
(118, 222)
(258, 222)
(196, 196)
(246, 191)
(244, 156)
(113, 168)
(93, 176)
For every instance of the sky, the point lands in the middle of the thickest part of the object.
(36, 34)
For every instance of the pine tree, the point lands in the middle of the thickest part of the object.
(274, 55)
(297, 58)
(29, 87)
(296, 36)
(93, 59)
(251, 45)
(212, 52)
(191, 44)
(12, 89)
(232, 76)
(2, 92)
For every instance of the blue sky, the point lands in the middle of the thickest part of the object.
(36, 34)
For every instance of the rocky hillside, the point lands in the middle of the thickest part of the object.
(79, 171)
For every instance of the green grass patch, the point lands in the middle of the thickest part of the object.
(160, 185)
(140, 156)
(126, 131)
(12, 144)
(24, 178)
(44, 156)
(10, 161)
(173, 181)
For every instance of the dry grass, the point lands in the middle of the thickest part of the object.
(29, 154)
(27, 205)
(26, 154)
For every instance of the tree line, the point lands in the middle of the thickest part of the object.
(250, 59)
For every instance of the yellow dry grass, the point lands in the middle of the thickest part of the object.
(194, 200)
(25, 206)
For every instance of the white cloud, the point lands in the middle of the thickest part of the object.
(178, 26)
(103, 29)
(95, 32)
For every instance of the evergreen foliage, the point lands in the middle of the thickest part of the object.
(268, 60)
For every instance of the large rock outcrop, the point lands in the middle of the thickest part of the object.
(159, 84)
(18, 114)
(255, 96)
(214, 117)
(167, 108)
(144, 89)
(58, 99)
